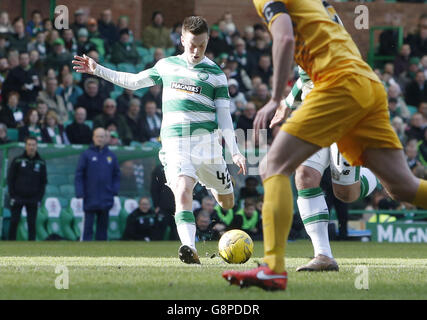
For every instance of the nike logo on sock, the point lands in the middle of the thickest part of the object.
(262, 276)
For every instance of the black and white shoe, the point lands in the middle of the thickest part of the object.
(188, 255)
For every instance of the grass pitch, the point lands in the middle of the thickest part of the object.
(140, 270)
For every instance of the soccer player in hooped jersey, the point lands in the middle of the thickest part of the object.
(195, 104)
(348, 105)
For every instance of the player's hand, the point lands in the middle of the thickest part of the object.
(240, 161)
(263, 116)
(282, 113)
(84, 64)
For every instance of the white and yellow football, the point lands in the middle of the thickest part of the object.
(235, 246)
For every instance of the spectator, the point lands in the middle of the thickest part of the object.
(69, 91)
(124, 99)
(261, 96)
(112, 135)
(70, 43)
(154, 93)
(216, 44)
(51, 37)
(124, 51)
(207, 206)
(411, 154)
(5, 25)
(250, 189)
(389, 38)
(22, 79)
(59, 57)
(37, 64)
(27, 179)
(97, 181)
(110, 114)
(79, 21)
(157, 35)
(399, 127)
(134, 120)
(31, 126)
(418, 40)
(249, 37)
(143, 223)
(35, 25)
(42, 110)
(176, 35)
(261, 48)
(422, 108)
(3, 134)
(241, 55)
(53, 131)
(163, 199)
(402, 109)
(12, 113)
(4, 70)
(264, 69)
(107, 28)
(159, 54)
(416, 91)
(47, 25)
(237, 98)
(123, 23)
(13, 58)
(91, 99)
(250, 218)
(105, 87)
(95, 37)
(83, 43)
(415, 130)
(207, 230)
(54, 100)
(245, 121)
(151, 123)
(39, 44)
(3, 44)
(78, 132)
(18, 40)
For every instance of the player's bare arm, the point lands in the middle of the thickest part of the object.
(283, 52)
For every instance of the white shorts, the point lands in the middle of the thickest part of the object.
(341, 171)
(200, 158)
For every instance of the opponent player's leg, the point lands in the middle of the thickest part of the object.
(391, 168)
(314, 211)
(350, 183)
(184, 218)
(286, 153)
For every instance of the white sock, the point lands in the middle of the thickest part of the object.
(315, 216)
(187, 234)
(368, 182)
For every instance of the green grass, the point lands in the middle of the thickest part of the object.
(131, 270)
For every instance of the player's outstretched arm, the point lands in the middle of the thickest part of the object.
(132, 81)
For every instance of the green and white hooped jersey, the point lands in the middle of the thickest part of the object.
(293, 100)
(191, 95)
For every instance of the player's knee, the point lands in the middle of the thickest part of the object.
(305, 179)
(226, 202)
(346, 196)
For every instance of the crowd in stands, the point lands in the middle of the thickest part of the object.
(42, 97)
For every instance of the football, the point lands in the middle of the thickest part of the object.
(235, 246)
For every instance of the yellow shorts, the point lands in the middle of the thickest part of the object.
(350, 110)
